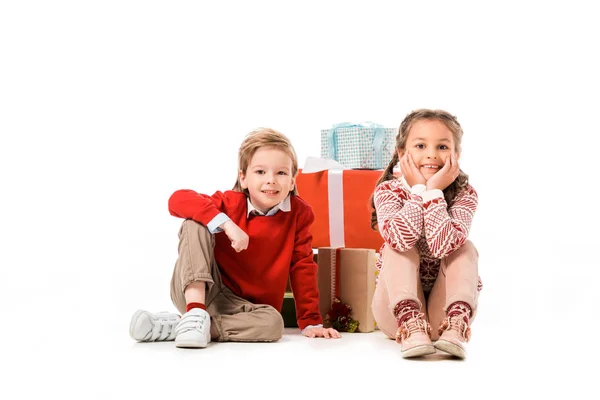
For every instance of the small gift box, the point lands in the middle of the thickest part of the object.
(362, 146)
(341, 202)
(346, 287)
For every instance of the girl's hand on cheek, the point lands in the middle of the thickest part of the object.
(444, 177)
(410, 171)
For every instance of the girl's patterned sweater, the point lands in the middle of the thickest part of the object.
(409, 217)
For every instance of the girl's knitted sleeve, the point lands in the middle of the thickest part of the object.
(447, 229)
(399, 214)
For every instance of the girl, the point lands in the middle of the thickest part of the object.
(237, 250)
(427, 267)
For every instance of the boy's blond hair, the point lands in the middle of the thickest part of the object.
(264, 137)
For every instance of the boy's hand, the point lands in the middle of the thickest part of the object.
(239, 238)
(327, 333)
(445, 176)
(410, 171)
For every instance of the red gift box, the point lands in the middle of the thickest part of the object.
(341, 202)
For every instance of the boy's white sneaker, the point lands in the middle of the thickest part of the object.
(148, 327)
(193, 329)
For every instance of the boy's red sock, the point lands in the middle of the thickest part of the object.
(404, 310)
(195, 305)
(458, 308)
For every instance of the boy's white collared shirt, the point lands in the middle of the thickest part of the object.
(219, 219)
(284, 206)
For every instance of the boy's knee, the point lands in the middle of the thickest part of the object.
(192, 227)
(272, 325)
(191, 224)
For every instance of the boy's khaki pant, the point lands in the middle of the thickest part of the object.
(399, 280)
(232, 318)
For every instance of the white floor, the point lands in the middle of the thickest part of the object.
(78, 353)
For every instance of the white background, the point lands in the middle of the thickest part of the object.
(108, 107)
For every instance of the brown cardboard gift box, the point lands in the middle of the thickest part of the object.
(349, 275)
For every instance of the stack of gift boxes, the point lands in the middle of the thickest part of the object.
(344, 244)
